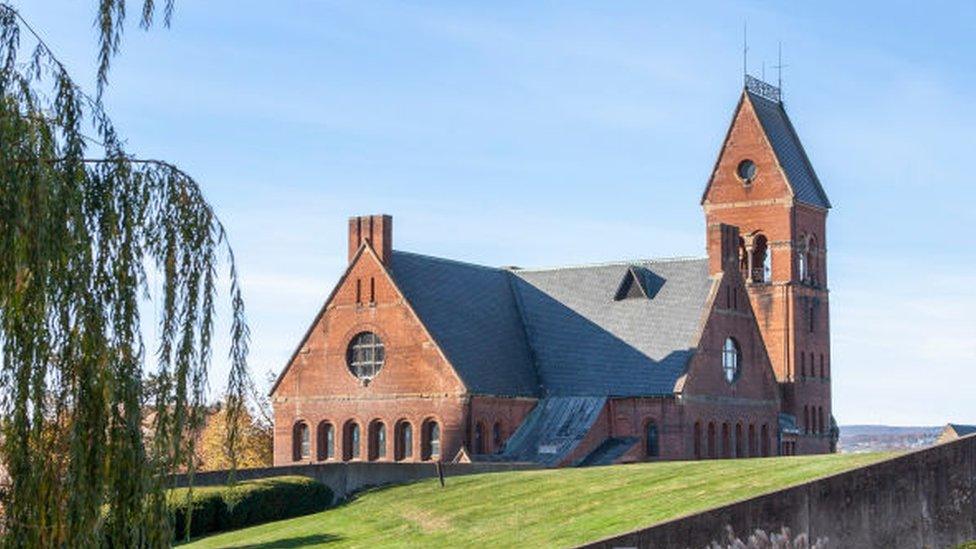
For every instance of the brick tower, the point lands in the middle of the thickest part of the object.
(764, 183)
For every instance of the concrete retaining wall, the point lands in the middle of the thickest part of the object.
(347, 478)
(923, 499)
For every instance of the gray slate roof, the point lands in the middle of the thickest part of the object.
(471, 314)
(786, 144)
(559, 331)
(585, 343)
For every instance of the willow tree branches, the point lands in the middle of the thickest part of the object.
(84, 227)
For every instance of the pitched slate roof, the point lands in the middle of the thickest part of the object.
(789, 151)
(560, 331)
(470, 312)
(586, 343)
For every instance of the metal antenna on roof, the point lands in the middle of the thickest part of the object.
(779, 68)
(745, 51)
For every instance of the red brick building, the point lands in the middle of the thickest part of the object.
(421, 358)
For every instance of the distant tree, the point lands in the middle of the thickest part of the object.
(84, 227)
(254, 442)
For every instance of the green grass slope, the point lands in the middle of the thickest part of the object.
(559, 507)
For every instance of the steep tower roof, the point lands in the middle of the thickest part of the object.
(784, 141)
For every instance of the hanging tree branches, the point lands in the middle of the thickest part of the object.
(84, 227)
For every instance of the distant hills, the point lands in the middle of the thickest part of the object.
(874, 438)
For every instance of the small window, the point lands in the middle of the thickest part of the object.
(496, 437)
(651, 448)
(302, 441)
(404, 441)
(377, 440)
(326, 441)
(350, 441)
(812, 317)
(431, 441)
(746, 170)
(730, 359)
(803, 365)
(479, 439)
(365, 355)
(372, 290)
(697, 443)
(359, 291)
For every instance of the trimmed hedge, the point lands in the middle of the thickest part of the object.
(220, 508)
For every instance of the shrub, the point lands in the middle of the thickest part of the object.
(220, 508)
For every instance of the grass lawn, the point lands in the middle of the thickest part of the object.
(555, 507)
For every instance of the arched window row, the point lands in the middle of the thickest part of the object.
(488, 436)
(354, 440)
(713, 440)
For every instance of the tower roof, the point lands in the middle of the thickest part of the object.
(801, 177)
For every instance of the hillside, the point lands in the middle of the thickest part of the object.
(559, 507)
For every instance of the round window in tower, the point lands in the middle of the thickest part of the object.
(746, 170)
(365, 355)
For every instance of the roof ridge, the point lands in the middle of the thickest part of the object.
(622, 262)
(448, 260)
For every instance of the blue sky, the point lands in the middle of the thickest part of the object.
(567, 132)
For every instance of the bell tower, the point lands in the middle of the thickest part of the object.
(764, 183)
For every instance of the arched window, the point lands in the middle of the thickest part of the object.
(377, 440)
(730, 359)
(301, 441)
(496, 437)
(762, 265)
(823, 373)
(326, 441)
(803, 365)
(711, 440)
(743, 259)
(811, 254)
(403, 445)
(651, 448)
(764, 440)
(350, 441)
(739, 441)
(752, 440)
(698, 440)
(430, 441)
(365, 355)
(820, 420)
(802, 269)
(479, 438)
(726, 443)
(806, 419)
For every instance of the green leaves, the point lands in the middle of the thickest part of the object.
(86, 232)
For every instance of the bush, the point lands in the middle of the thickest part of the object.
(220, 508)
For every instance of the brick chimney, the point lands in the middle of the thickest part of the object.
(723, 248)
(375, 229)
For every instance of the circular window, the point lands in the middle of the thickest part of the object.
(746, 171)
(730, 359)
(365, 355)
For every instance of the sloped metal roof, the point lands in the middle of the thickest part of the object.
(553, 429)
(789, 151)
